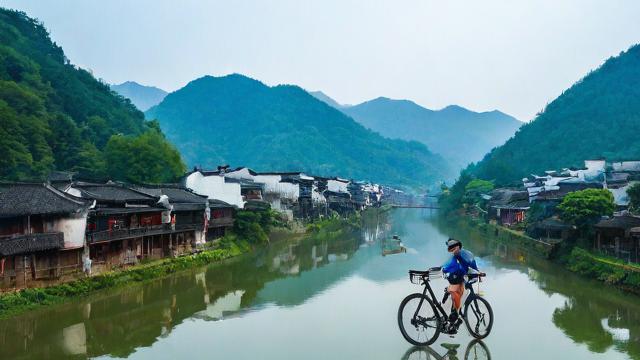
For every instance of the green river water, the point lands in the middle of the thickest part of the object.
(316, 299)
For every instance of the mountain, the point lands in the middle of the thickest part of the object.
(143, 97)
(459, 135)
(240, 121)
(599, 116)
(56, 116)
(327, 100)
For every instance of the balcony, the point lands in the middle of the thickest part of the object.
(118, 234)
(29, 243)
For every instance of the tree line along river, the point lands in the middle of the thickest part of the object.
(317, 299)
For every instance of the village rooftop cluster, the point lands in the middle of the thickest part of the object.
(617, 236)
(56, 231)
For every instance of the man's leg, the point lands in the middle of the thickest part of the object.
(456, 292)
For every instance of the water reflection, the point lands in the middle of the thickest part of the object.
(337, 297)
(119, 323)
(475, 350)
(594, 314)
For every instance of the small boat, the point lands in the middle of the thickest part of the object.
(393, 246)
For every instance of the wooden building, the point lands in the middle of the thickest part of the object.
(41, 234)
(619, 236)
(508, 207)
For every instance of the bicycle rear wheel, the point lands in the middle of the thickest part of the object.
(478, 316)
(418, 320)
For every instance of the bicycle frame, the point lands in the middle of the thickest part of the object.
(427, 288)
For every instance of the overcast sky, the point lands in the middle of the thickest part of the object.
(514, 56)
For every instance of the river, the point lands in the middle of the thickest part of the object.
(334, 300)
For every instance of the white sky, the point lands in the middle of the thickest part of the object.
(514, 56)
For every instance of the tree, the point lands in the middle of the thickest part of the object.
(634, 197)
(474, 189)
(147, 158)
(585, 207)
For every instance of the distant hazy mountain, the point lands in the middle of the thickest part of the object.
(143, 97)
(240, 121)
(599, 116)
(326, 99)
(460, 135)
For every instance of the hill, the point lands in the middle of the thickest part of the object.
(143, 97)
(240, 121)
(55, 116)
(599, 116)
(459, 135)
(327, 100)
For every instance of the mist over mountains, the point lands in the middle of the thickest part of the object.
(460, 135)
(143, 97)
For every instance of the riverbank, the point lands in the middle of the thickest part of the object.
(503, 235)
(230, 246)
(30, 298)
(610, 271)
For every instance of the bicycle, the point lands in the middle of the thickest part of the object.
(420, 314)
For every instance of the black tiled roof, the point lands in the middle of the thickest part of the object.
(215, 204)
(113, 193)
(619, 222)
(506, 196)
(22, 244)
(20, 199)
(175, 193)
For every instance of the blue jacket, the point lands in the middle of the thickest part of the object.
(458, 265)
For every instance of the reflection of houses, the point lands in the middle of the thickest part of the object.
(619, 236)
(507, 206)
(41, 234)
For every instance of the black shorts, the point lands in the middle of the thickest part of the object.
(455, 279)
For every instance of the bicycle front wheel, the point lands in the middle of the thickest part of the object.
(478, 316)
(418, 320)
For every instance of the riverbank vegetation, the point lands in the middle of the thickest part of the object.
(608, 269)
(335, 227)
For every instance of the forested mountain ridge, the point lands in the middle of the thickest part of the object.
(461, 136)
(599, 116)
(142, 96)
(55, 116)
(237, 120)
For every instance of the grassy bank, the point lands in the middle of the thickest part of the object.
(609, 270)
(334, 227)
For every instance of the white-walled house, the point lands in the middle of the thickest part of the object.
(213, 185)
(337, 185)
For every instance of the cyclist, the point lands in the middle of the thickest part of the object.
(455, 269)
